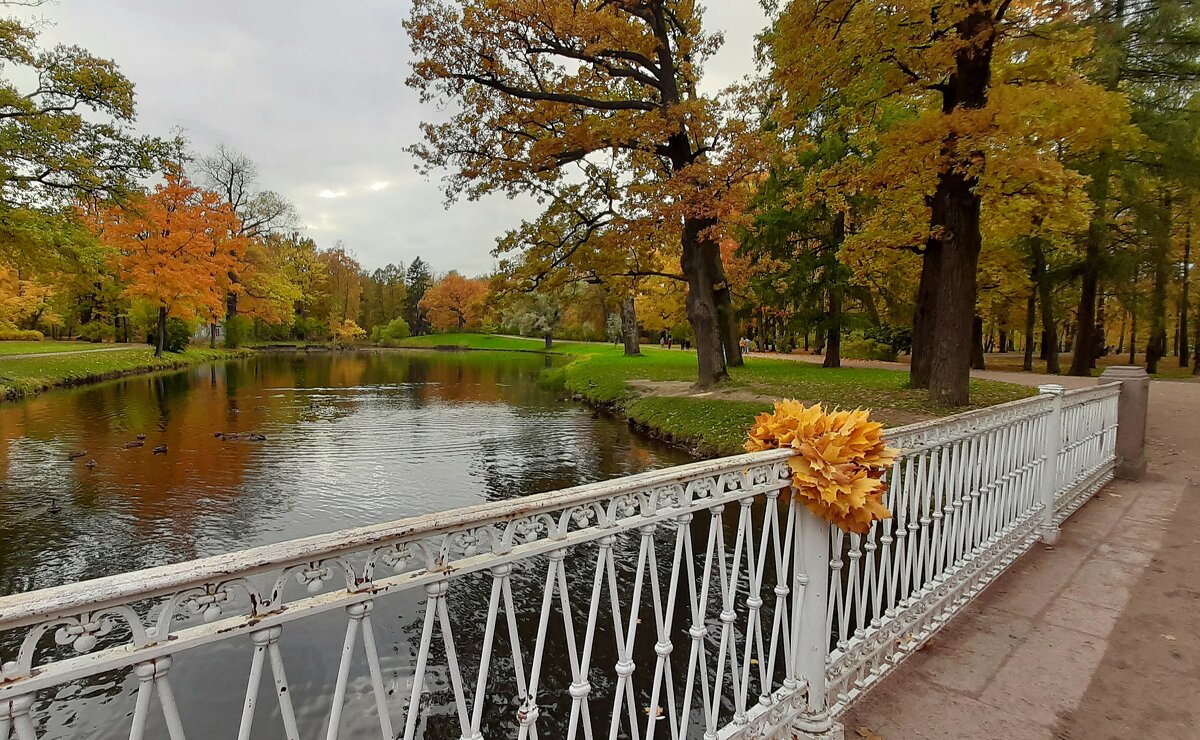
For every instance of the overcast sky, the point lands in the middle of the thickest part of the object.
(314, 92)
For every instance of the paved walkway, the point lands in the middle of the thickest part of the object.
(1096, 638)
(114, 348)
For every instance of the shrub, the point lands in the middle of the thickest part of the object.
(348, 334)
(899, 338)
(179, 336)
(868, 349)
(237, 331)
(21, 335)
(391, 333)
(97, 331)
(309, 328)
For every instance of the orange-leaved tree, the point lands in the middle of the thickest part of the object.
(455, 303)
(175, 249)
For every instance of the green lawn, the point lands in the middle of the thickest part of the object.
(21, 376)
(28, 348)
(654, 390)
(495, 342)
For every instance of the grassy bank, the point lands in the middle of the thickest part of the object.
(655, 391)
(23, 376)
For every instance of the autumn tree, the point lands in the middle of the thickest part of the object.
(174, 248)
(585, 235)
(234, 176)
(383, 295)
(1150, 52)
(455, 303)
(952, 100)
(800, 224)
(342, 288)
(541, 89)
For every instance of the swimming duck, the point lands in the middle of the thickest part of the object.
(258, 437)
(160, 450)
(91, 463)
(76, 454)
(134, 443)
(141, 436)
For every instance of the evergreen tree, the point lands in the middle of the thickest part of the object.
(417, 281)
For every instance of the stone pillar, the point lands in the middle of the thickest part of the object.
(1131, 418)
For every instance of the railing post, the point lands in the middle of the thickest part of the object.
(1048, 481)
(1131, 418)
(811, 594)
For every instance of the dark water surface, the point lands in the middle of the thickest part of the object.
(351, 439)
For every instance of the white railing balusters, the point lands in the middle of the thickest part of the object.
(1051, 479)
(15, 719)
(152, 675)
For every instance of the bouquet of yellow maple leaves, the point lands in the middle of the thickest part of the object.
(839, 464)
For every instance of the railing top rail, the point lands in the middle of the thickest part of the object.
(1077, 396)
(19, 610)
(966, 423)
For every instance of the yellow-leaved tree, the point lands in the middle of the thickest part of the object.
(961, 105)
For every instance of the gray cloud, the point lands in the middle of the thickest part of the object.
(314, 92)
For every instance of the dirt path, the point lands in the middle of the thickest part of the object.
(115, 348)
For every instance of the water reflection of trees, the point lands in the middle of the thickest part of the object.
(508, 436)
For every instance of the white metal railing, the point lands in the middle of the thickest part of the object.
(968, 495)
(697, 600)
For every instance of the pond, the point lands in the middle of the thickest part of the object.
(164, 468)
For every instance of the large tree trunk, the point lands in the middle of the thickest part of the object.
(977, 362)
(923, 317)
(696, 263)
(1156, 345)
(1183, 295)
(1196, 350)
(1133, 336)
(726, 319)
(1030, 316)
(1097, 240)
(549, 340)
(629, 327)
(950, 363)
(1041, 278)
(161, 338)
(954, 217)
(833, 341)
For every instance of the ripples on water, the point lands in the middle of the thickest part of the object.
(350, 439)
